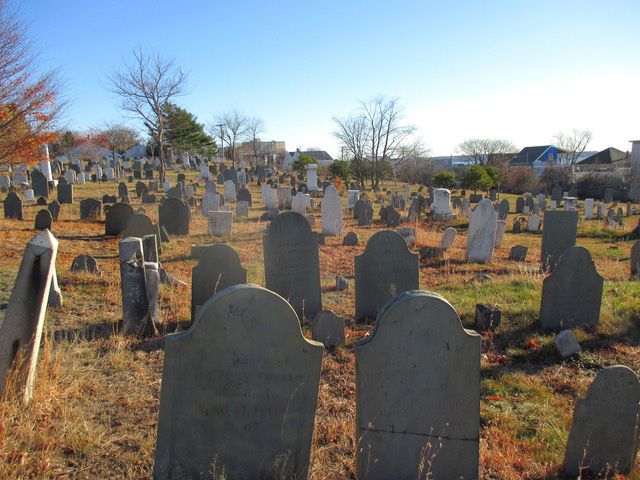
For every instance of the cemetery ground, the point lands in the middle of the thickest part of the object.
(95, 406)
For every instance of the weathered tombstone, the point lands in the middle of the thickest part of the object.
(385, 269)
(602, 210)
(299, 203)
(13, 206)
(41, 201)
(210, 203)
(242, 415)
(572, 294)
(109, 198)
(284, 198)
(503, 209)
(558, 234)
(570, 203)
(21, 330)
(556, 194)
(244, 196)
(391, 217)
(518, 253)
(291, 263)
(364, 212)
(415, 209)
(520, 204)
(448, 236)
(533, 223)
(418, 392)
(242, 208)
(135, 304)
(90, 208)
(54, 209)
(39, 184)
(603, 439)
(441, 206)
(328, 329)
(139, 225)
(482, 232)
(123, 190)
(487, 317)
(501, 227)
(117, 218)
(352, 197)
(44, 220)
(218, 268)
(229, 191)
(220, 223)
(269, 196)
(85, 263)
(174, 215)
(588, 208)
(331, 208)
(141, 189)
(608, 195)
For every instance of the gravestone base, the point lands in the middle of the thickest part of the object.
(444, 217)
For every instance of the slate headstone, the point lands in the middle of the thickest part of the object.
(13, 206)
(174, 215)
(558, 234)
(482, 232)
(116, 219)
(44, 220)
(90, 208)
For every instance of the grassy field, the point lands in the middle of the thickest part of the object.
(95, 407)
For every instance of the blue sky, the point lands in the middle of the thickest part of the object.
(520, 70)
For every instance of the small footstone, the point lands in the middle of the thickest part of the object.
(518, 253)
(487, 317)
(427, 253)
(328, 328)
(341, 283)
(567, 344)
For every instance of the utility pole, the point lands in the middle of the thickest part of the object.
(221, 127)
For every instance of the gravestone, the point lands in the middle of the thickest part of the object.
(635, 260)
(24, 317)
(44, 220)
(588, 208)
(109, 198)
(363, 212)
(284, 198)
(85, 263)
(520, 204)
(331, 208)
(135, 302)
(572, 294)
(328, 329)
(533, 223)
(229, 191)
(299, 203)
(54, 209)
(140, 225)
(210, 203)
(556, 194)
(39, 184)
(291, 263)
(558, 234)
(13, 206)
(482, 232)
(90, 208)
(391, 217)
(501, 227)
(123, 190)
(65, 193)
(220, 223)
(350, 239)
(608, 195)
(244, 196)
(418, 392)
(269, 196)
(518, 253)
(117, 218)
(141, 189)
(385, 269)
(218, 268)
(252, 381)
(242, 208)
(148, 199)
(503, 209)
(448, 236)
(604, 433)
(174, 215)
(441, 206)
(352, 197)
(41, 201)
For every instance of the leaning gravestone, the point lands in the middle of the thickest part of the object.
(604, 433)
(572, 294)
(385, 269)
(418, 392)
(90, 208)
(54, 208)
(44, 220)
(291, 263)
(13, 206)
(117, 218)
(482, 232)
(331, 208)
(174, 215)
(252, 381)
(558, 234)
(448, 236)
(218, 268)
(21, 331)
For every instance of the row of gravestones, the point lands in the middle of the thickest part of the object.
(240, 387)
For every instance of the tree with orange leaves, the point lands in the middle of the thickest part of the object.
(30, 103)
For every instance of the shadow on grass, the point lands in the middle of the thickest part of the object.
(83, 238)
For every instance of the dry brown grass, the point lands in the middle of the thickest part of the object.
(95, 404)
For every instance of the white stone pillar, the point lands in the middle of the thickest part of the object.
(312, 177)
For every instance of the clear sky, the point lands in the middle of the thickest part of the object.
(521, 70)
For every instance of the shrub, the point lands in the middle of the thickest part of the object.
(553, 176)
(444, 180)
(476, 177)
(521, 180)
(593, 185)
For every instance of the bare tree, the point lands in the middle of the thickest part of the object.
(119, 138)
(30, 102)
(480, 150)
(573, 143)
(255, 126)
(145, 85)
(235, 129)
(384, 116)
(352, 132)
(411, 164)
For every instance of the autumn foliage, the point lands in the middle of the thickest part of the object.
(30, 102)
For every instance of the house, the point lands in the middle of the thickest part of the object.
(266, 153)
(607, 160)
(320, 156)
(538, 158)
